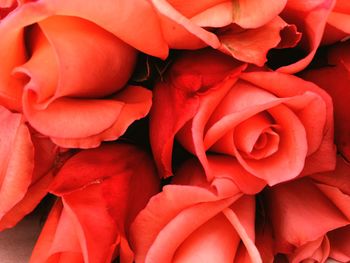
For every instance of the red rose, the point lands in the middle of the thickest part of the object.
(74, 95)
(192, 220)
(234, 27)
(274, 124)
(27, 159)
(310, 217)
(335, 80)
(101, 191)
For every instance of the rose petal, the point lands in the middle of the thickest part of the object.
(339, 240)
(254, 13)
(148, 38)
(310, 18)
(296, 219)
(136, 101)
(57, 76)
(252, 45)
(16, 148)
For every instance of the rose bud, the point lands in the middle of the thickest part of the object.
(276, 125)
(338, 23)
(235, 27)
(193, 220)
(100, 192)
(310, 216)
(27, 159)
(69, 85)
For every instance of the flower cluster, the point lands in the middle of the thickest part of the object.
(177, 131)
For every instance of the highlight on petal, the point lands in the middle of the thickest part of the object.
(252, 45)
(193, 224)
(24, 175)
(57, 76)
(104, 180)
(149, 37)
(255, 13)
(87, 122)
(167, 10)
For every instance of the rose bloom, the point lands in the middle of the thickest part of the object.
(276, 125)
(309, 217)
(247, 30)
(65, 67)
(27, 159)
(338, 23)
(334, 78)
(193, 220)
(100, 192)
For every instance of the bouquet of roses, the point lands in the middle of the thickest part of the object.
(177, 131)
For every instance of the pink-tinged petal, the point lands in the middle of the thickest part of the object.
(58, 241)
(57, 77)
(17, 159)
(34, 194)
(228, 167)
(216, 16)
(319, 132)
(298, 219)
(189, 9)
(310, 17)
(179, 205)
(13, 50)
(84, 126)
(177, 37)
(292, 150)
(317, 250)
(214, 241)
(167, 10)
(119, 18)
(243, 222)
(252, 45)
(136, 103)
(339, 240)
(255, 13)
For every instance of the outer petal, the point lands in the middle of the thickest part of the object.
(252, 45)
(85, 125)
(101, 180)
(334, 79)
(167, 10)
(58, 49)
(256, 13)
(148, 38)
(296, 219)
(339, 240)
(310, 18)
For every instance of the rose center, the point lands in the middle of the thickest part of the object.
(257, 137)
